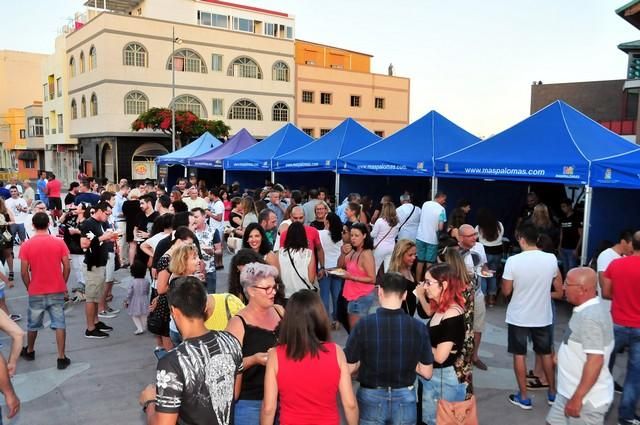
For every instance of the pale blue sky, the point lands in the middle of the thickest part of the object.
(472, 61)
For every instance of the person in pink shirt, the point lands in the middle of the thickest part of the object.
(54, 187)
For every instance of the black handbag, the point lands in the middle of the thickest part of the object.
(158, 319)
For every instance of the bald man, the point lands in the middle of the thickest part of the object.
(585, 385)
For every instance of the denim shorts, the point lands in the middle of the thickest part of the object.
(517, 337)
(247, 412)
(443, 384)
(50, 303)
(426, 252)
(364, 305)
(1, 298)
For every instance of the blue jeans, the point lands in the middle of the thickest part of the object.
(329, 292)
(210, 280)
(489, 285)
(247, 412)
(443, 384)
(387, 406)
(629, 337)
(569, 260)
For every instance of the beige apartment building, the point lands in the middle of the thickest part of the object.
(232, 62)
(333, 84)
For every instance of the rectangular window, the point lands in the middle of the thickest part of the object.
(59, 86)
(290, 33)
(45, 91)
(60, 126)
(241, 24)
(217, 107)
(216, 62)
(379, 103)
(325, 98)
(324, 131)
(29, 163)
(271, 29)
(205, 18)
(307, 96)
(46, 125)
(35, 126)
(355, 101)
(308, 131)
(23, 133)
(379, 133)
(220, 21)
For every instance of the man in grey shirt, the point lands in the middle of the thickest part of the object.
(408, 217)
(585, 385)
(309, 207)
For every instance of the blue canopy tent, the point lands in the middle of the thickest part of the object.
(213, 159)
(322, 154)
(410, 151)
(257, 159)
(555, 145)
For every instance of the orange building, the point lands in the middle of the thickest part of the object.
(333, 84)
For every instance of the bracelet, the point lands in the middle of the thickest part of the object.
(147, 403)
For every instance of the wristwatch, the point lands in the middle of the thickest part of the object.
(147, 403)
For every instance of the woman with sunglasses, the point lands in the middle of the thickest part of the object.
(256, 327)
(441, 294)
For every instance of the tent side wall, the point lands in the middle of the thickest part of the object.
(377, 186)
(248, 179)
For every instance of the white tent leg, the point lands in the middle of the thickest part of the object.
(273, 177)
(434, 187)
(337, 189)
(224, 176)
(588, 197)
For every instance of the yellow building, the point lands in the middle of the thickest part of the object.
(333, 84)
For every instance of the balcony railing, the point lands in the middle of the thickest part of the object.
(621, 127)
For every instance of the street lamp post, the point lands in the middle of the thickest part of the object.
(173, 89)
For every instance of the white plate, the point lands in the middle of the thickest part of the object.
(337, 272)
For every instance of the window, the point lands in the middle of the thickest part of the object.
(82, 62)
(379, 103)
(60, 124)
(280, 112)
(216, 108)
(308, 131)
(245, 110)
(216, 62)
(35, 126)
(205, 18)
(290, 32)
(29, 163)
(45, 91)
(244, 67)
(355, 101)
(192, 104)
(241, 24)
(83, 107)
(23, 133)
(134, 54)
(74, 109)
(46, 125)
(213, 20)
(93, 108)
(379, 133)
(280, 71)
(270, 29)
(59, 87)
(325, 98)
(93, 58)
(135, 103)
(324, 131)
(307, 96)
(188, 61)
(72, 68)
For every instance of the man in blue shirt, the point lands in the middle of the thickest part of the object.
(4, 192)
(388, 348)
(41, 188)
(86, 195)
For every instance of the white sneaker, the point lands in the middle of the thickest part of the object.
(139, 332)
(106, 315)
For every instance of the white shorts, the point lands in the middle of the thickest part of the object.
(111, 267)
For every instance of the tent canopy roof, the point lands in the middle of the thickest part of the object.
(202, 144)
(213, 159)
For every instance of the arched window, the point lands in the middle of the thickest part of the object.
(280, 112)
(189, 61)
(135, 103)
(245, 110)
(74, 109)
(82, 63)
(280, 71)
(72, 67)
(244, 67)
(93, 108)
(190, 103)
(93, 58)
(83, 107)
(134, 54)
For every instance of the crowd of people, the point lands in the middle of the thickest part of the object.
(409, 285)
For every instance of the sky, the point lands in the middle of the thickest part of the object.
(472, 61)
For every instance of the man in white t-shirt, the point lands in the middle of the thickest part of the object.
(528, 277)
(19, 208)
(216, 222)
(623, 247)
(408, 217)
(432, 219)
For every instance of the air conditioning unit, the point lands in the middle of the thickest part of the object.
(310, 62)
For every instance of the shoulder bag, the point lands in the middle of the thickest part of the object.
(405, 220)
(307, 284)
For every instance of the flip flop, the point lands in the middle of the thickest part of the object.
(530, 374)
(536, 384)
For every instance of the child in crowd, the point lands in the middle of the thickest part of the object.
(137, 302)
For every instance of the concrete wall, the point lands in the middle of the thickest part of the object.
(331, 57)
(19, 78)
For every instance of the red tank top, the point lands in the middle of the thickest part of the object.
(308, 388)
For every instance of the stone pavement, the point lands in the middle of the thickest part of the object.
(102, 384)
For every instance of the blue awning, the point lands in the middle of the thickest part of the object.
(202, 144)
(213, 159)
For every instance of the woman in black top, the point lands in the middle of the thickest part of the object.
(402, 260)
(441, 293)
(131, 211)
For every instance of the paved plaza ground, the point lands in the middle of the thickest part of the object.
(102, 384)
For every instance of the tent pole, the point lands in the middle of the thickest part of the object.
(337, 189)
(186, 170)
(434, 187)
(273, 177)
(588, 197)
(224, 176)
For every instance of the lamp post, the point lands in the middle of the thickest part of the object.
(174, 40)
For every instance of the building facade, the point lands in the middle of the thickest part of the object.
(333, 84)
(232, 62)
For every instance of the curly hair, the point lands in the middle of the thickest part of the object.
(264, 247)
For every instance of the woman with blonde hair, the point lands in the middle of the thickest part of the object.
(402, 260)
(131, 212)
(384, 234)
(184, 262)
(249, 215)
(545, 226)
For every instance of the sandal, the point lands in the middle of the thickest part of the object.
(530, 374)
(535, 384)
